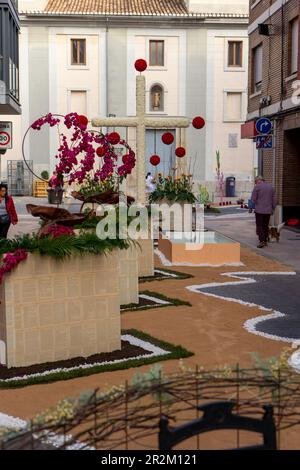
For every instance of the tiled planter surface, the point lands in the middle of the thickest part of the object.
(54, 310)
(128, 275)
(145, 258)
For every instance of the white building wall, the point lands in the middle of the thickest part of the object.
(220, 128)
(172, 76)
(194, 77)
(66, 79)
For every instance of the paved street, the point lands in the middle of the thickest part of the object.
(241, 227)
(232, 222)
(279, 293)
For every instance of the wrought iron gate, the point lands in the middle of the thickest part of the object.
(19, 177)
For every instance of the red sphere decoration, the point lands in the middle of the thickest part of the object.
(83, 120)
(180, 152)
(140, 65)
(125, 159)
(168, 138)
(114, 138)
(198, 122)
(100, 152)
(155, 160)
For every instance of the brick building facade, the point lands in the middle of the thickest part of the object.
(274, 74)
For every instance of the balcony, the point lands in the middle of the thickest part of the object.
(9, 58)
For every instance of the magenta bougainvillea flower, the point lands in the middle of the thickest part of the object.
(79, 154)
(55, 231)
(11, 261)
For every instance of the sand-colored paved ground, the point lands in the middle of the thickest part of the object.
(211, 328)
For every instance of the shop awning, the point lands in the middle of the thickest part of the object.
(248, 130)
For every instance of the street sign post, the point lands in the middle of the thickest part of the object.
(5, 135)
(264, 126)
(264, 141)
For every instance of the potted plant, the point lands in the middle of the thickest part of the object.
(56, 190)
(204, 197)
(175, 190)
(87, 156)
(45, 175)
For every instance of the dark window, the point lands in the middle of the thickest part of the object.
(293, 45)
(157, 53)
(235, 53)
(78, 51)
(257, 68)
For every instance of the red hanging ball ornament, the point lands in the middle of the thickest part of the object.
(100, 152)
(198, 122)
(83, 120)
(114, 138)
(180, 152)
(125, 159)
(168, 138)
(140, 65)
(155, 160)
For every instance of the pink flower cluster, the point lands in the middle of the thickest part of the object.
(77, 155)
(55, 231)
(49, 119)
(11, 260)
(128, 164)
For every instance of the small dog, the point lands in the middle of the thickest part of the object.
(274, 233)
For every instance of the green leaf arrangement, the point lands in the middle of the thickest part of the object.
(64, 246)
(173, 189)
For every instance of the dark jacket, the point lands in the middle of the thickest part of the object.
(264, 198)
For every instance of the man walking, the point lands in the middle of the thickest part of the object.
(264, 198)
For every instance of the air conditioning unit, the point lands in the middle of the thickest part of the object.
(265, 101)
(264, 29)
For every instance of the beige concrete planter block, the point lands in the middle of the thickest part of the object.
(146, 258)
(212, 252)
(179, 221)
(129, 275)
(55, 310)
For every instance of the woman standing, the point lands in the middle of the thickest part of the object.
(8, 214)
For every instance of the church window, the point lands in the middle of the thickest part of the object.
(78, 51)
(157, 53)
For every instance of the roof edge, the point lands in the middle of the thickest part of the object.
(145, 15)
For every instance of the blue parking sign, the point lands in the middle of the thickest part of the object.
(264, 142)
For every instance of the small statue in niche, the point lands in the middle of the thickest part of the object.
(156, 100)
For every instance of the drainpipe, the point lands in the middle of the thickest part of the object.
(106, 64)
(276, 215)
(274, 156)
(282, 88)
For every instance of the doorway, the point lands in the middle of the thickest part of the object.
(155, 146)
(291, 174)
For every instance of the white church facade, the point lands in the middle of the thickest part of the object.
(79, 56)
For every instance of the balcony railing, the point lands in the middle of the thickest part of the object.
(13, 80)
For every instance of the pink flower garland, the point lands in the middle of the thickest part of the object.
(58, 231)
(11, 261)
(86, 143)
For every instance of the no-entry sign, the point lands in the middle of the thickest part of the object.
(5, 135)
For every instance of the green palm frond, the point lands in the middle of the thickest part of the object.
(64, 246)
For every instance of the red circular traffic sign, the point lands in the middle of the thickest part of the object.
(4, 140)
